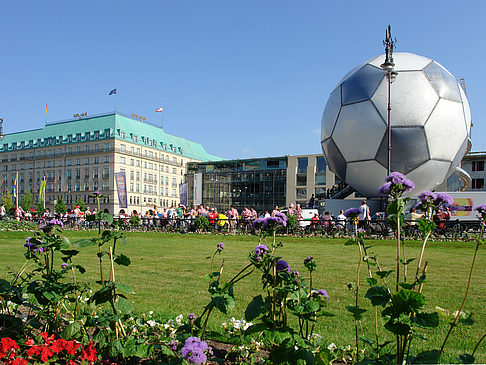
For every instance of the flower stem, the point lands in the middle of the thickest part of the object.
(422, 254)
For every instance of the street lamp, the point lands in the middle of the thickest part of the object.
(390, 74)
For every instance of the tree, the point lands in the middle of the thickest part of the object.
(40, 206)
(80, 203)
(27, 200)
(60, 207)
(7, 201)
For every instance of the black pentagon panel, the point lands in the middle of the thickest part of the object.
(334, 158)
(362, 85)
(409, 149)
(442, 81)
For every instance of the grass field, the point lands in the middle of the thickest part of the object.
(167, 274)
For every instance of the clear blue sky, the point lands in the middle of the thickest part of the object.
(244, 78)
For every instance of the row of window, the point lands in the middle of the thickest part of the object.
(49, 164)
(164, 203)
(152, 142)
(151, 189)
(150, 154)
(148, 165)
(50, 141)
(60, 152)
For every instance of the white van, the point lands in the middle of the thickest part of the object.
(307, 214)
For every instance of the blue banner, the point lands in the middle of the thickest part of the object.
(121, 188)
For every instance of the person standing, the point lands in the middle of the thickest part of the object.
(364, 214)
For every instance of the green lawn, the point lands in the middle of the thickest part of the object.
(167, 274)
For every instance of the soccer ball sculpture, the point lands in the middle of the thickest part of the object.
(430, 124)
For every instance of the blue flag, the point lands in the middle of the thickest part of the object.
(112, 92)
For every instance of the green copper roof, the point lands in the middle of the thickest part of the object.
(101, 127)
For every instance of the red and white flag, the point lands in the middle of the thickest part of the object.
(159, 109)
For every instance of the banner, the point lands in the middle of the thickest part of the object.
(42, 190)
(121, 188)
(197, 189)
(183, 194)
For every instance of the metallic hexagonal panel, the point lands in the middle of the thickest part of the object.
(412, 99)
(467, 110)
(428, 175)
(445, 130)
(404, 61)
(358, 131)
(366, 177)
(361, 85)
(330, 113)
(442, 81)
(352, 71)
(409, 149)
(459, 156)
(334, 158)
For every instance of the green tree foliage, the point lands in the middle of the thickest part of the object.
(60, 207)
(27, 200)
(80, 203)
(7, 200)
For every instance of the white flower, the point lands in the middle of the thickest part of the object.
(244, 351)
(332, 346)
(247, 324)
(151, 323)
(151, 312)
(179, 319)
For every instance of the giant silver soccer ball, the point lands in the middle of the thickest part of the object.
(430, 124)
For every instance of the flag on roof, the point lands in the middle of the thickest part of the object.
(159, 109)
(46, 108)
(112, 92)
(15, 186)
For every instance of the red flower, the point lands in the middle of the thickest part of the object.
(8, 347)
(47, 339)
(46, 353)
(18, 361)
(71, 347)
(34, 350)
(29, 342)
(89, 353)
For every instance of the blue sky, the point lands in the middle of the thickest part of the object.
(244, 78)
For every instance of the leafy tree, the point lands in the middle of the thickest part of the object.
(60, 207)
(80, 203)
(7, 201)
(40, 206)
(27, 200)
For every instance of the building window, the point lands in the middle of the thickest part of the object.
(131, 188)
(478, 165)
(123, 148)
(122, 160)
(301, 179)
(78, 161)
(105, 186)
(132, 163)
(96, 160)
(69, 163)
(320, 171)
(95, 173)
(301, 193)
(478, 183)
(86, 161)
(107, 159)
(302, 165)
(131, 174)
(106, 173)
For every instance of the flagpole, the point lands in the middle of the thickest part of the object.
(16, 191)
(115, 102)
(44, 193)
(162, 121)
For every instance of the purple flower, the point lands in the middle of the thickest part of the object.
(443, 199)
(220, 246)
(385, 189)
(296, 273)
(55, 222)
(309, 258)
(193, 351)
(282, 265)
(352, 212)
(64, 265)
(261, 249)
(39, 249)
(361, 230)
(396, 178)
(322, 292)
(191, 317)
(427, 196)
(172, 344)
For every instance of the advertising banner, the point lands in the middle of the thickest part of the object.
(121, 188)
(183, 194)
(197, 188)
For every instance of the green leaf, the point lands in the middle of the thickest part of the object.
(356, 311)
(427, 357)
(85, 243)
(384, 274)
(255, 308)
(102, 296)
(378, 295)
(311, 306)
(122, 260)
(81, 269)
(425, 226)
(71, 330)
(466, 359)
(371, 281)
(277, 336)
(224, 302)
(426, 319)
(123, 305)
(70, 253)
(101, 338)
(403, 262)
(350, 242)
(115, 348)
(125, 288)
(107, 217)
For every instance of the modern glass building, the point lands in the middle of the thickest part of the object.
(260, 183)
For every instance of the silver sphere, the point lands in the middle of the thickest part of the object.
(430, 124)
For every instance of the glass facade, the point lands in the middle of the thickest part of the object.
(320, 170)
(258, 183)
